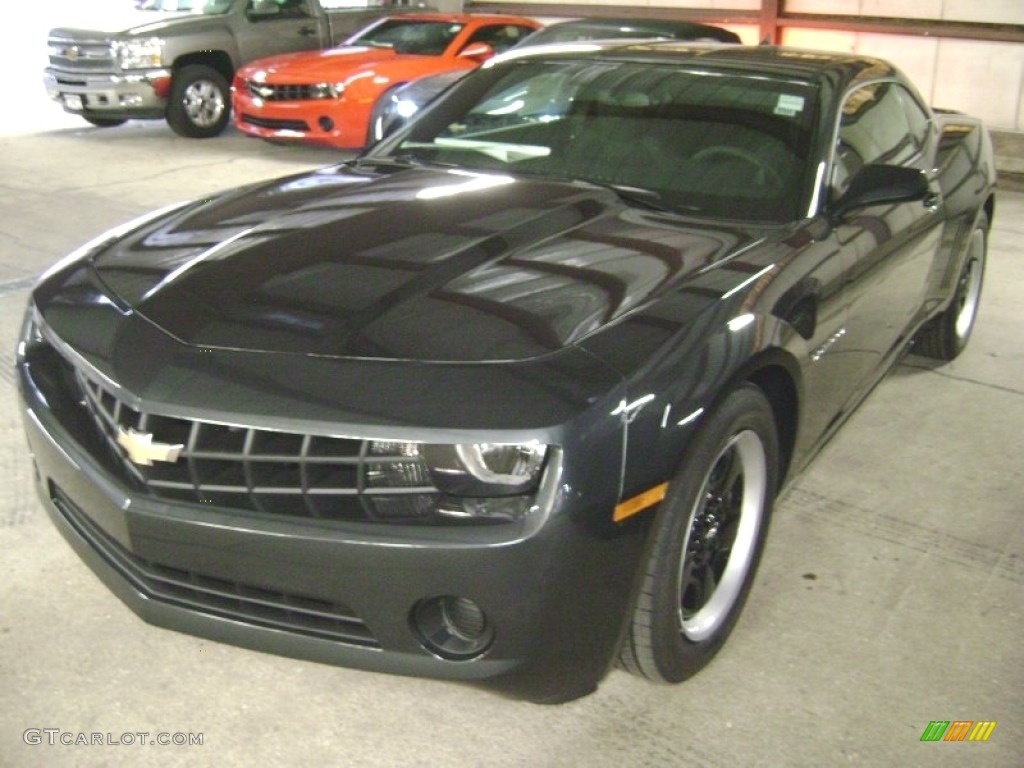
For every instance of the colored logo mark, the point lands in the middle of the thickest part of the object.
(958, 730)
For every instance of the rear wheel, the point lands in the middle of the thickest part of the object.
(708, 540)
(199, 105)
(103, 122)
(946, 336)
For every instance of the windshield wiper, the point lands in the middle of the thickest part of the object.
(386, 161)
(646, 198)
(401, 161)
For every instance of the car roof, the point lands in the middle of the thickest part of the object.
(463, 18)
(601, 27)
(841, 68)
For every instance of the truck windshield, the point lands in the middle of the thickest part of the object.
(191, 6)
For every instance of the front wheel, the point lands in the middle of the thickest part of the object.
(199, 104)
(946, 335)
(708, 539)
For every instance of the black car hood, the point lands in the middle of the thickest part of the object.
(421, 264)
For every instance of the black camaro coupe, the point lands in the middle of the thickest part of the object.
(508, 398)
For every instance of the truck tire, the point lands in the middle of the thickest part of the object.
(200, 102)
(103, 122)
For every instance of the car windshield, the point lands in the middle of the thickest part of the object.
(424, 38)
(697, 141)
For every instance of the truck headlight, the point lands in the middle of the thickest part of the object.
(139, 54)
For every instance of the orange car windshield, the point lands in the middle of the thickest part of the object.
(424, 38)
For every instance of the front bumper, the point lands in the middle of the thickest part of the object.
(138, 95)
(328, 122)
(555, 588)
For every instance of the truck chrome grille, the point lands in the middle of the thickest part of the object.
(80, 55)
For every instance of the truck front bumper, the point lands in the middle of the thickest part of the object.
(139, 95)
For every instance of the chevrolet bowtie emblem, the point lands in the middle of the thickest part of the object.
(142, 450)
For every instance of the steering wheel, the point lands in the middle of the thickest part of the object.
(763, 173)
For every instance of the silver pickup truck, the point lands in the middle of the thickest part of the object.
(174, 59)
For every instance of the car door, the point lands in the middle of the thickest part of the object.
(887, 249)
(278, 26)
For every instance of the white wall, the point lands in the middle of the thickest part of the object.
(982, 78)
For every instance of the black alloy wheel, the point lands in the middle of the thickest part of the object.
(708, 539)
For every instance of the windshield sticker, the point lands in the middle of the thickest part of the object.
(789, 106)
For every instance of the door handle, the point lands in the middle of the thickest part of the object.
(307, 31)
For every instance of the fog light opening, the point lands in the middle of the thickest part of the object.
(326, 124)
(451, 627)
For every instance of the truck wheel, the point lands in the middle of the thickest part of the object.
(103, 122)
(199, 105)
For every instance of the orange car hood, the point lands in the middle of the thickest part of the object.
(331, 64)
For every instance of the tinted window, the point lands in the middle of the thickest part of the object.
(500, 37)
(875, 128)
(426, 38)
(708, 143)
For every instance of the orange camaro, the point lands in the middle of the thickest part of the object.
(328, 96)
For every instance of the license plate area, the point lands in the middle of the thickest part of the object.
(74, 102)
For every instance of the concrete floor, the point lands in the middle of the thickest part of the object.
(890, 594)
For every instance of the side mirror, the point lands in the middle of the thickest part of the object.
(477, 52)
(880, 185)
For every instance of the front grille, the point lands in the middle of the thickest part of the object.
(276, 125)
(219, 597)
(73, 55)
(260, 470)
(268, 92)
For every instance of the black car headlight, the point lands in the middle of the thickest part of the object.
(31, 336)
(463, 480)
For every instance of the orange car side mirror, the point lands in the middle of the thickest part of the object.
(477, 52)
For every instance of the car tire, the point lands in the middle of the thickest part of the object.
(200, 102)
(709, 531)
(103, 122)
(945, 336)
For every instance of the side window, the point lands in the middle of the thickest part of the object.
(286, 9)
(874, 127)
(920, 122)
(500, 37)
